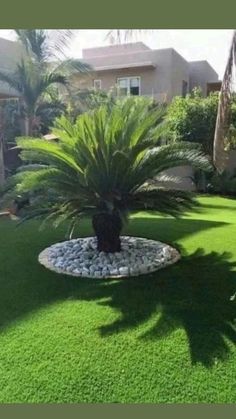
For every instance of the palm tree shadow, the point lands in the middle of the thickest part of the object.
(169, 229)
(195, 295)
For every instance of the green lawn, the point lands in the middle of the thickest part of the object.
(163, 338)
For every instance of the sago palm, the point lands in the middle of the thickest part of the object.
(102, 166)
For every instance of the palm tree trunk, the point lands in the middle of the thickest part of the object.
(2, 166)
(223, 114)
(28, 125)
(107, 228)
(219, 153)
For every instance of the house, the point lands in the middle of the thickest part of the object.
(10, 54)
(136, 69)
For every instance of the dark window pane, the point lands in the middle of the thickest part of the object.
(134, 91)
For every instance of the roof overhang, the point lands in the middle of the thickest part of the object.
(143, 64)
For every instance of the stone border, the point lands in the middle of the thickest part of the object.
(44, 260)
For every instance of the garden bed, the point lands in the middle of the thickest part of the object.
(80, 257)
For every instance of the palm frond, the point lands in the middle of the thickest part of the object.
(43, 44)
(169, 201)
(69, 66)
(118, 36)
(34, 41)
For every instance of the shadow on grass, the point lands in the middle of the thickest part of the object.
(193, 294)
(168, 229)
(217, 206)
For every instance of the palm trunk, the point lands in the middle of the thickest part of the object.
(223, 114)
(28, 122)
(107, 228)
(2, 166)
(219, 154)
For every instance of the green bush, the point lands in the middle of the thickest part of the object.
(193, 119)
(223, 183)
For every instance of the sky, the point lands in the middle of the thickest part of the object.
(201, 44)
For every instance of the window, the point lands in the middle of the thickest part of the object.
(123, 86)
(97, 84)
(128, 86)
(134, 86)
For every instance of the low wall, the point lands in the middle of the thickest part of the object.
(183, 175)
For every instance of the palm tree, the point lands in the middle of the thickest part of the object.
(102, 167)
(223, 114)
(34, 74)
(30, 84)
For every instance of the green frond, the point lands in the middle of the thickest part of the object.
(168, 201)
(72, 65)
(44, 44)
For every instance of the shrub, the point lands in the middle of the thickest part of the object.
(193, 119)
(222, 183)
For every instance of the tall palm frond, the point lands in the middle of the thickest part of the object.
(45, 44)
(223, 114)
(117, 36)
(69, 66)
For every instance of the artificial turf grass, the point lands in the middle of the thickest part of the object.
(166, 337)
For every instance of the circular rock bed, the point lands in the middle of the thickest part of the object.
(80, 257)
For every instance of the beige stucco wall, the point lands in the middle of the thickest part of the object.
(165, 78)
(117, 49)
(200, 73)
(183, 174)
(179, 73)
(109, 79)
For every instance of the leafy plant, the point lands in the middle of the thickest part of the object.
(193, 119)
(223, 183)
(102, 167)
(87, 99)
(46, 113)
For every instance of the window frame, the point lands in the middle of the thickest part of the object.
(129, 78)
